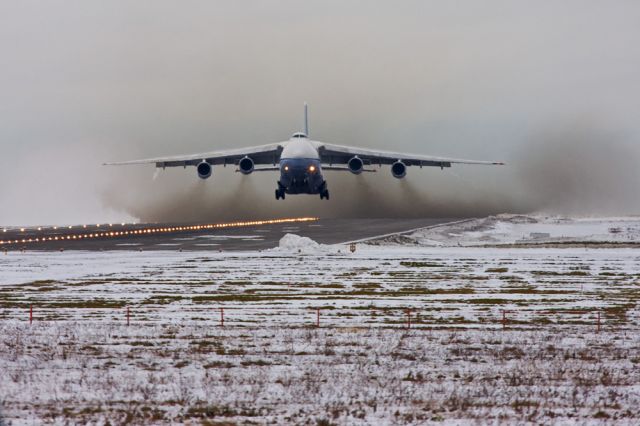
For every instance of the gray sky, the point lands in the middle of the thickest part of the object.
(552, 87)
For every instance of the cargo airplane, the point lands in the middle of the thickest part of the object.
(301, 161)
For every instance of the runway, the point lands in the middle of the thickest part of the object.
(252, 235)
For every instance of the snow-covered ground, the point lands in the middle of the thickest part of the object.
(523, 229)
(500, 334)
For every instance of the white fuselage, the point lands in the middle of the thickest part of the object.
(300, 171)
(299, 148)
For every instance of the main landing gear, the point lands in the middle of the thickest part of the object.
(279, 193)
(324, 192)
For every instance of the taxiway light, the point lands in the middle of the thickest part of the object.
(21, 229)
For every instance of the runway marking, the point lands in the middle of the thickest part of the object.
(153, 230)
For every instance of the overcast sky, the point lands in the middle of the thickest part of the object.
(551, 87)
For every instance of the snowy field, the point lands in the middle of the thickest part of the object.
(407, 335)
(527, 230)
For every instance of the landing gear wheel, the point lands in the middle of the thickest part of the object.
(324, 194)
(279, 194)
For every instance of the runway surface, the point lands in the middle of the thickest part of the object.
(255, 235)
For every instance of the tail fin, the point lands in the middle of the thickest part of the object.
(306, 119)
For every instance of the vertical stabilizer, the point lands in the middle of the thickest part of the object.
(306, 119)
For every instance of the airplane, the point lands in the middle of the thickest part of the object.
(301, 162)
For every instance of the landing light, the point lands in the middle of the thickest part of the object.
(312, 168)
(286, 168)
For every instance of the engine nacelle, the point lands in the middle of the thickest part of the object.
(355, 165)
(245, 165)
(399, 169)
(204, 170)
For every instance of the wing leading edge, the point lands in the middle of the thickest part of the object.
(261, 155)
(340, 154)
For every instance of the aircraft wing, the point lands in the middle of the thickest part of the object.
(340, 154)
(262, 154)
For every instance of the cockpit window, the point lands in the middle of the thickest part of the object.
(299, 135)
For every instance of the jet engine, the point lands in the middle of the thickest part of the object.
(245, 165)
(355, 165)
(399, 169)
(204, 170)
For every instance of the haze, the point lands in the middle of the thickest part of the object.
(552, 88)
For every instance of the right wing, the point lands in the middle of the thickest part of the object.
(340, 154)
(262, 154)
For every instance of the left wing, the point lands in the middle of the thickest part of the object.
(262, 154)
(340, 154)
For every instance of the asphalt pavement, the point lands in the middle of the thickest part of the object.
(228, 236)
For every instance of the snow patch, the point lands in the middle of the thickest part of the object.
(293, 242)
(511, 228)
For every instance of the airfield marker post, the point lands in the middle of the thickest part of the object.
(598, 323)
(30, 314)
(504, 319)
(408, 318)
(318, 317)
(221, 317)
(128, 316)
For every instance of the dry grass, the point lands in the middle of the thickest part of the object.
(180, 373)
